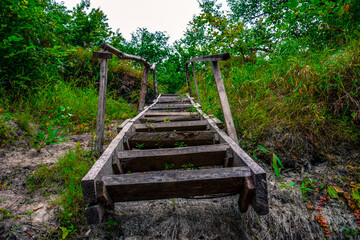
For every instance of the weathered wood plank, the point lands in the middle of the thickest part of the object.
(143, 90)
(103, 195)
(155, 113)
(95, 214)
(103, 166)
(196, 85)
(171, 126)
(173, 100)
(102, 54)
(168, 139)
(216, 57)
(188, 79)
(170, 118)
(247, 193)
(225, 107)
(171, 106)
(153, 68)
(156, 159)
(100, 122)
(123, 55)
(173, 184)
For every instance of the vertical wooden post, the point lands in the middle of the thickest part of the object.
(100, 123)
(187, 78)
(143, 89)
(229, 122)
(155, 80)
(197, 90)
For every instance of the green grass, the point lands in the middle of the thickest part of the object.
(63, 178)
(311, 98)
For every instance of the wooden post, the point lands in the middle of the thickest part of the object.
(187, 78)
(225, 107)
(100, 124)
(197, 90)
(153, 67)
(143, 88)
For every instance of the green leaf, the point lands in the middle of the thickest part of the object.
(278, 160)
(276, 168)
(264, 149)
(332, 192)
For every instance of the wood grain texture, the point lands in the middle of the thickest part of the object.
(225, 107)
(168, 139)
(196, 85)
(95, 214)
(188, 79)
(103, 195)
(143, 90)
(173, 184)
(247, 193)
(123, 55)
(210, 58)
(102, 54)
(171, 126)
(153, 68)
(154, 113)
(156, 159)
(100, 123)
(170, 118)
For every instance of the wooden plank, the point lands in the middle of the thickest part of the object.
(196, 85)
(118, 168)
(246, 194)
(156, 159)
(102, 54)
(173, 184)
(171, 126)
(168, 139)
(123, 55)
(211, 58)
(155, 113)
(95, 214)
(153, 67)
(173, 100)
(188, 79)
(123, 124)
(100, 122)
(170, 118)
(103, 195)
(103, 166)
(170, 105)
(225, 107)
(142, 98)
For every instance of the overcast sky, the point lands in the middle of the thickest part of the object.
(171, 16)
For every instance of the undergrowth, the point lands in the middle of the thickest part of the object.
(63, 178)
(302, 100)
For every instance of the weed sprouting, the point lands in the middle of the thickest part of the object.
(64, 179)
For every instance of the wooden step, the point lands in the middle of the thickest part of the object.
(174, 184)
(173, 100)
(169, 139)
(170, 118)
(171, 158)
(171, 126)
(155, 113)
(171, 106)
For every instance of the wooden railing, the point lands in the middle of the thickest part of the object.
(105, 54)
(213, 59)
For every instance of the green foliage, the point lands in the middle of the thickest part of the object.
(275, 161)
(180, 144)
(306, 187)
(5, 214)
(332, 192)
(188, 166)
(64, 179)
(169, 165)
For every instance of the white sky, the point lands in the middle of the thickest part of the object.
(171, 16)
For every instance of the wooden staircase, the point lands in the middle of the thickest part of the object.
(170, 150)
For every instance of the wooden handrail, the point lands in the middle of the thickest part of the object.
(104, 55)
(229, 122)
